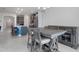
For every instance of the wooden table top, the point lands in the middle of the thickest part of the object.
(49, 32)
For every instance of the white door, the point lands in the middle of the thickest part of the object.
(8, 22)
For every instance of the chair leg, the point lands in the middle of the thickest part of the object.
(34, 47)
(54, 44)
(27, 42)
(31, 46)
(40, 49)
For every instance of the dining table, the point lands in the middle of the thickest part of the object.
(52, 34)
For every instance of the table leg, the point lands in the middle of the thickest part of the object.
(54, 44)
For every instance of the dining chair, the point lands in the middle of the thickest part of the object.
(38, 41)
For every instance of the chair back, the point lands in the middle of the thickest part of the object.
(36, 35)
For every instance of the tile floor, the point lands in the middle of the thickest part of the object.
(19, 44)
(12, 44)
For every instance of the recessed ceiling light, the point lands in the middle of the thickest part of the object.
(44, 8)
(21, 9)
(39, 7)
(18, 12)
(18, 8)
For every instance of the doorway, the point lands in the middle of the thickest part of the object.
(8, 22)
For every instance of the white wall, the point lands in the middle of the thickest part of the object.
(26, 20)
(41, 19)
(63, 16)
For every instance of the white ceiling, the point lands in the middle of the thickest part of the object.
(26, 10)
